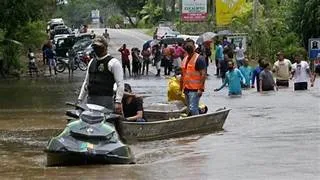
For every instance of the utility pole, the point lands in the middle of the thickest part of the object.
(254, 27)
(180, 14)
(210, 12)
(214, 18)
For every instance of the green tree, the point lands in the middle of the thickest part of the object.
(77, 12)
(272, 32)
(305, 19)
(17, 13)
(151, 13)
(19, 22)
(130, 8)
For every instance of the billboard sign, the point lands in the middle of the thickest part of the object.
(226, 9)
(194, 10)
(237, 40)
(95, 14)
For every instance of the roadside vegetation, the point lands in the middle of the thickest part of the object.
(78, 12)
(22, 26)
(280, 25)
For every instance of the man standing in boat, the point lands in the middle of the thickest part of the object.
(193, 77)
(103, 71)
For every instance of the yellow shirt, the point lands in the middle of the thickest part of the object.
(282, 69)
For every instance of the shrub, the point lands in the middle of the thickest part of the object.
(116, 19)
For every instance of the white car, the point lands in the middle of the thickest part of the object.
(59, 36)
(164, 32)
(194, 38)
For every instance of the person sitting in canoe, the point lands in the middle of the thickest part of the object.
(175, 94)
(132, 105)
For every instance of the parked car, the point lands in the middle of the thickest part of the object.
(61, 29)
(171, 40)
(164, 32)
(66, 43)
(82, 44)
(53, 23)
(185, 37)
(63, 45)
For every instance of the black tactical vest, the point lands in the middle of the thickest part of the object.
(101, 80)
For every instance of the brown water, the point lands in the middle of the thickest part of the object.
(269, 136)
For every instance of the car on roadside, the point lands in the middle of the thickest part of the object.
(82, 44)
(77, 43)
(164, 32)
(59, 36)
(53, 23)
(63, 45)
(60, 30)
(171, 40)
(185, 37)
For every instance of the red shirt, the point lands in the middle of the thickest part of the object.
(179, 52)
(125, 54)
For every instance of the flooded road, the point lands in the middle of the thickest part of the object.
(269, 136)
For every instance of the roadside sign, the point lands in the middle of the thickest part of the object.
(194, 10)
(95, 14)
(226, 9)
(237, 40)
(314, 48)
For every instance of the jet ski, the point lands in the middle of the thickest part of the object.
(89, 138)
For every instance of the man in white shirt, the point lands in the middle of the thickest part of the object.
(103, 72)
(301, 73)
(281, 69)
(239, 54)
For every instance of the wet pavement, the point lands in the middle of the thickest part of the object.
(269, 136)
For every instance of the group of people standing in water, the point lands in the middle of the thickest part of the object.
(262, 77)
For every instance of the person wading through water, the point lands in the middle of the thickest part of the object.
(193, 77)
(282, 68)
(300, 73)
(103, 72)
(234, 78)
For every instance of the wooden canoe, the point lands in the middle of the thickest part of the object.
(168, 128)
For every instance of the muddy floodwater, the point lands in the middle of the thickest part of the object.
(270, 136)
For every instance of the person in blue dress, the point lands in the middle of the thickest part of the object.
(246, 71)
(234, 78)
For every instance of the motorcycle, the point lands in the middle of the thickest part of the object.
(91, 137)
(72, 62)
(85, 57)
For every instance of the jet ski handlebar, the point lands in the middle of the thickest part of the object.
(79, 108)
(76, 105)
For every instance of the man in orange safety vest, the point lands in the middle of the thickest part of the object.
(193, 77)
